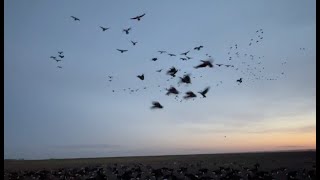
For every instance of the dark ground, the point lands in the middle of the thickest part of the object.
(303, 162)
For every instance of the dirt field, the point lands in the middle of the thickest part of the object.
(267, 161)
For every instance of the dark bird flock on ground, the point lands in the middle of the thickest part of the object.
(172, 170)
(251, 69)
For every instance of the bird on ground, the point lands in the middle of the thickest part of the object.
(172, 90)
(156, 105)
(134, 43)
(138, 17)
(198, 48)
(185, 53)
(103, 28)
(204, 64)
(127, 30)
(75, 18)
(141, 77)
(204, 92)
(122, 50)
(189, 94)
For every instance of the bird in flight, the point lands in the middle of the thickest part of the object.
(159, 70)
(156, 105)
(52, 57)
(122, 50)
(138, 17)
(103, 28)
(198, 48)
(204, 92)
(185, 53)
(141, 77)
(172, 71)
(183, 59)
(189, 94)
(75, 18)
(171, 54)
(172, 90)
(239, 80)
(185, 79)
(188, 57)
(154, 59)
(58, 60)
(204, 64)
(61, 56)
(219, 65)
(162, 52)
(134, 43)
(127, 30)
(60, 52)
(59, 67)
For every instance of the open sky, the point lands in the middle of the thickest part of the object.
(72, 112)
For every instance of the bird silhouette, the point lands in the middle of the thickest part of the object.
(188, 57)
(204, 92)
(227, 65)
(60, 52)
(183, 59)
(239, 80)
(59, 67)
(138, 17)
(154, 59)
(127, 30)
(134, 43)
(156, 105)
(198, 48)
(75, 18)
(185, 53)
(162, 52)
(185, 79)
(172, 90)
(61, 56)
(171, 54)
(58, 60)
(104, 28)
(189, 94)
(159, 70)
(141, 77)
(172, 71)
(204, 64)
(53, 57)
(219, 65)
(122, 50)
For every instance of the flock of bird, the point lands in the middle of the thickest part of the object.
(250, 66)
(173, 171)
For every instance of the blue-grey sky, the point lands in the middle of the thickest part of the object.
(72, 112)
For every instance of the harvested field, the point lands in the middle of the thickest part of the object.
(278, 165)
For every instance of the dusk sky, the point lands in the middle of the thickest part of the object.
(72, 112)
